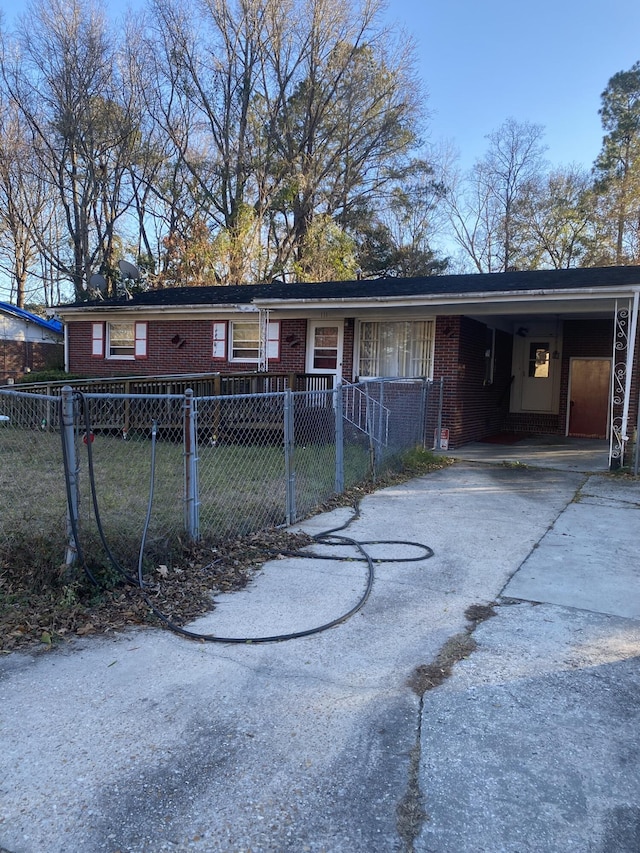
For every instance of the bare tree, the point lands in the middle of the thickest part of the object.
(350, 123)
(486, 208)
(282, 112)
(62, 72)
(558, 218)
(23, 208)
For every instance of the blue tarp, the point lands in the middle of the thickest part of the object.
(51, 325)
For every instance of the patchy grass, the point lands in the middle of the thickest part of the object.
(43, 602)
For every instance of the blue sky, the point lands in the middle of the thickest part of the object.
(483, 61)
(546, 62)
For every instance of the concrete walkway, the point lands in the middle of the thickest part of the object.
(586, 455)
(150, 742)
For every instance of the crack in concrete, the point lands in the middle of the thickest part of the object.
(411, 813)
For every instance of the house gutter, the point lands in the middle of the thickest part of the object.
(107, 310)
(455, 299)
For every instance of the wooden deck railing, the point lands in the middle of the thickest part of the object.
(202, 384)
(127, 404)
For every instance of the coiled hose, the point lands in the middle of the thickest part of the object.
(330, 537)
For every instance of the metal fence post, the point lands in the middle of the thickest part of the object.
(338, 409)
(191, 506)
(381, 428)
(424, 410)
(289, 472)
(71, 462)
(438, 441)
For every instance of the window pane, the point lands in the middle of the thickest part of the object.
(121, 339)
(368, 348)
(539, 360)
(396, 349)
(325, 348)
(245, 344)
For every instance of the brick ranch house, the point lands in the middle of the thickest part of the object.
(548, 351)
(27, 343)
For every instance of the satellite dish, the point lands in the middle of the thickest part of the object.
(98, 282)
(129, 270)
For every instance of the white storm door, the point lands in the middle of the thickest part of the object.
(324, 347)
(537, 381)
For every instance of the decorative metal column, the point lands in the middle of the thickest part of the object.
(624, 339)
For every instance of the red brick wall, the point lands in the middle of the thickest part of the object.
(15, 356)
(181, 346)
(191, 352)
(471, 409)
(293, 346)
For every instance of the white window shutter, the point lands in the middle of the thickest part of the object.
(97, 340)
(273, 342)
(219, 341)
(140, 350)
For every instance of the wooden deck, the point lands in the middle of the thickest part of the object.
(130, 404)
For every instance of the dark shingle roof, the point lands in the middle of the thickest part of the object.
(446, 285)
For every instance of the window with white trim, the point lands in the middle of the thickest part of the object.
(244, 341)
(119, 340)
(401, 348)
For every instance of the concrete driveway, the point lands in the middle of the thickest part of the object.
(150, 742)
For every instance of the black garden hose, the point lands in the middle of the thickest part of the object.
(328, 538)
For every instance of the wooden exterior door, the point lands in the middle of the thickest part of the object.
(589, 389)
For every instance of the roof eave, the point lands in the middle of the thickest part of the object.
(102, 309)
(439, 299)
(353, 303)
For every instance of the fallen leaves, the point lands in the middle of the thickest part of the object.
(183, 590)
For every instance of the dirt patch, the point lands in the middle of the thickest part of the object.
(426, 676)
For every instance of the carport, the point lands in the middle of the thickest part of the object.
(531, 352)
(563, 367)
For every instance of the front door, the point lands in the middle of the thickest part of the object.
(324, 348)
(589, 389)
(537, 380)
(536, 367)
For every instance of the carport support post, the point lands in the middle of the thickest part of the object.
(71, 459)
(191, 507)
(339, 433)
(625, 331)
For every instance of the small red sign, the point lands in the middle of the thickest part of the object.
(444, 439)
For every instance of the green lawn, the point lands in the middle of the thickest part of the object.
(242, 489)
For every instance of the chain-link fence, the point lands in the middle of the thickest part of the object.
(33, 502)
(178, 467)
